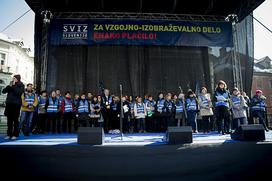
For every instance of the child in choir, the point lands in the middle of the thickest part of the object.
(140, 114)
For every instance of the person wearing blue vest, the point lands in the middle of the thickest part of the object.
(179, 110)
(221, 102)
(83, 111)
(67, 109)
(258, 107)
(191, 105)
(52, 107)
(150, 109)
(29, 103)
(169, 112)
(159, 115)
(140, 114)
(205, 106)
(42, 115)
(75, 103)
(238, 107)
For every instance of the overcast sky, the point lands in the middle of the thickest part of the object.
(24, 28)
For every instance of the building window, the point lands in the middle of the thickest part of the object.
(1, 88)
(2, 59)
(2, 56)
(17, 66)
(259, 83)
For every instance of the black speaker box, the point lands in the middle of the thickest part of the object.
(251, 132)
(90, 136)
(179, 135)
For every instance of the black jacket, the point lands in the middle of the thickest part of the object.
(14, 93)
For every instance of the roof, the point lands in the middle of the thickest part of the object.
(259, 67)
(204, 7)
(18, 42)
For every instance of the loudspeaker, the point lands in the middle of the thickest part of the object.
(251, 132)
(90, 136)
(179, 135)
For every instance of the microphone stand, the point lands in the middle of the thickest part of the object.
(121, 112)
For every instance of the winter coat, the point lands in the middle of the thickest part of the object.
(238, 106)
(14, 93)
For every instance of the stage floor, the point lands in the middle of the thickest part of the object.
(136, 139)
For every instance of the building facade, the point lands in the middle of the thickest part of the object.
(14, 59)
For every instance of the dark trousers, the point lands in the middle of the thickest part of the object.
(191, 117)
(261, 116)
(125, 123)
(67, 121)
(41, 127)
(238, 121)
(75, 122)
(206, 123)
(160, 120)
(150, 124)
(107, 122)
(34, 123)
(12, 111)
(140, 124)
(51, 123)
(223, 119)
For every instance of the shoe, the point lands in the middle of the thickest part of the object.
(13, 138)
(7, 138)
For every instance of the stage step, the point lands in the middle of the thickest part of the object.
(3, 127)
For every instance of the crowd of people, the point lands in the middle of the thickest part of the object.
(31, 113)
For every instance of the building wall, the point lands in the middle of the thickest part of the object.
(17, 61)
(263, 81)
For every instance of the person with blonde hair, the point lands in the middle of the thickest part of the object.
(238, 107)
(206, 112)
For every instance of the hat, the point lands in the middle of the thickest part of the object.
(235, 88)
(18, 77)
(258, 91)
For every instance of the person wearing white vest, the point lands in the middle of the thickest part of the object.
(238, 107)
(140, 114)
(206, 112)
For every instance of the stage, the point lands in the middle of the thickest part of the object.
(136, 139)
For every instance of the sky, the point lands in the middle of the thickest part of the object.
(24, 28)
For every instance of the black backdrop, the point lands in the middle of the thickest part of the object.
(140, 69)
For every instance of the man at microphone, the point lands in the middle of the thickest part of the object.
(106, 102)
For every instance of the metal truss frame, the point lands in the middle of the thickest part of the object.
(139, 16)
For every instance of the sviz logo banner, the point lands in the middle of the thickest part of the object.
(75, 31)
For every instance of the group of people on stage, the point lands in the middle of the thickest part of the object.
(56, 113)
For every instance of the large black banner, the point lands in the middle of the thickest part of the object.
(140, 32)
